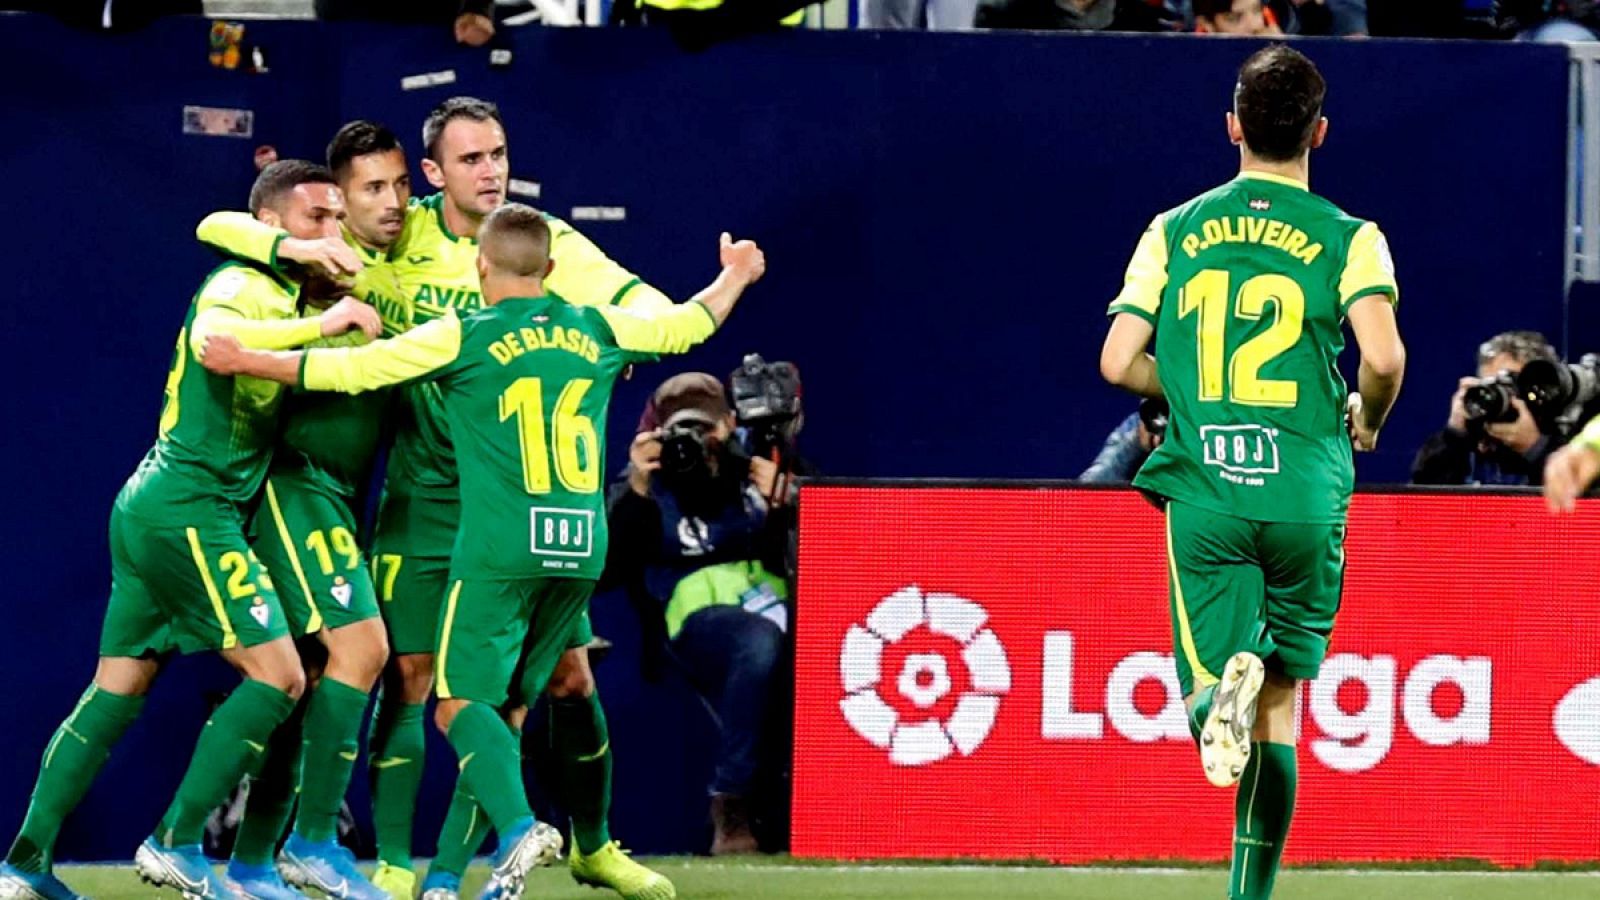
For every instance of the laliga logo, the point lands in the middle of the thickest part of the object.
(1577, 721)
(924, 678)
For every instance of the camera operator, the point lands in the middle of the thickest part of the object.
(1492, 437)
(1129, 445)
(701, 538)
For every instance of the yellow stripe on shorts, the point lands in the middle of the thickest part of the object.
(314, 621)
(1185, 634)
(443, 689)
(229, 639)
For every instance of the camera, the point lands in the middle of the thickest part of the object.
(766, 401)
(687, 455)
(1489, 401)
(1155, 413)
(1558, 392)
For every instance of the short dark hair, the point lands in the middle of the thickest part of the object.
(283, 176)
(455, 108)
(1522, 346)
(1210, 9)
(358, 138)
(515, 238)
(1279, 101)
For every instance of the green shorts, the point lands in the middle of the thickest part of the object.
(185, 579)
(411, 591)
(305, 533)
(497, 632)
(1271, 588)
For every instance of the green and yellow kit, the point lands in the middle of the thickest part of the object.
(434, 271)
(525, 386)
(1247, 286)
(183, 574)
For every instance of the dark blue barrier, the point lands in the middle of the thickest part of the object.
(946, 217)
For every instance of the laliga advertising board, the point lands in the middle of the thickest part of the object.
(987, 672)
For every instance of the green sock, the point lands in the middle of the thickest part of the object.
(266, 812)
(232, 745)
(491, 765)
(582, 747)
(1262, 811)
(395, 752)
(71, 761)
(333, 732)
(1201, 709)
(466, 826)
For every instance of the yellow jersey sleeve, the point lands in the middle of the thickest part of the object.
(242, 235)
(1146, 277)
(585, 276)
(1589, 437)
(250, 306)
(418, 353)
(673, 330)
(1368, 267)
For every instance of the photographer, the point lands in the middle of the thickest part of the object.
(701, 538)
(1492, 437)
(1129, 445)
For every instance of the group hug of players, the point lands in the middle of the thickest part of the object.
(503, 331)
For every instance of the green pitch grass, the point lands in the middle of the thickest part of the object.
(779, 878)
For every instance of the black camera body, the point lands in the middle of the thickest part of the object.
(690, 462)
(1559, 393)
(1489, 401)
(766, 401)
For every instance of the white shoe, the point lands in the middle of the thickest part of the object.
(1225, 737)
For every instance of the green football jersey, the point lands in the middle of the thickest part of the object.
(335, 437)
(437, 269)
(525, 385)
(216, 433)
(434, 272)
(1247, 286)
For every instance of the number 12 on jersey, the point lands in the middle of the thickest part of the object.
(1207, 295)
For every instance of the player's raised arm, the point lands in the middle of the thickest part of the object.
(1368, 292)
(678, 328)
(586, 276)
(1572, 469)
(1125, 360)
(418, 353)
(242, 235)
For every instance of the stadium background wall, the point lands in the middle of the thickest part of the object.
(946, 216)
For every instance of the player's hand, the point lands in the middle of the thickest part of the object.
(1567, 474)
(474, 30)
(1363, 436)
(644, 458)
(1519, 434)
(348, 315)
(330, 256)
(222, 354)
(743, 258)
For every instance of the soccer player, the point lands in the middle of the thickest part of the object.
(183, 576)
(304, 531)
(435, 261)
(1570, 471)
(525, 385)
(1245, 289)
